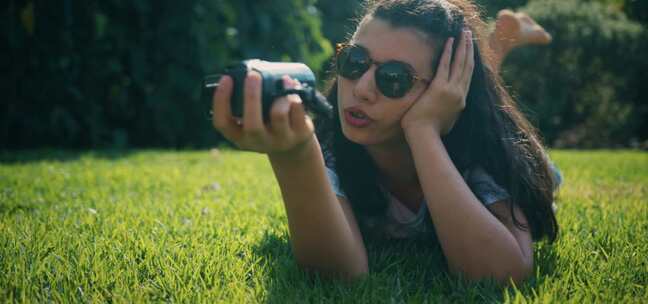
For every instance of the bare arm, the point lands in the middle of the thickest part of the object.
(474, 241)
(324, 233)
(323, 230)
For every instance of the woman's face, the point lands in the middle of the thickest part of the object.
(367, 117)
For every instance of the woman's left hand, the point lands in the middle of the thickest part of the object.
(441, 104)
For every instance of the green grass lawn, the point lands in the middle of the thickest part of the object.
(194, 226)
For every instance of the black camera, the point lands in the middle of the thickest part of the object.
(272, 85)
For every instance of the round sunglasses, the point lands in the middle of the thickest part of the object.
(393, 78)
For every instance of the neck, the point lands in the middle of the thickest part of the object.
(395, 163)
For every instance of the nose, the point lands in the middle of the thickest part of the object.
(365, 87)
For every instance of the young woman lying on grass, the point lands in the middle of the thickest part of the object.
(425, 144)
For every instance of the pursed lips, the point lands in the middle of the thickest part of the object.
(358, 113)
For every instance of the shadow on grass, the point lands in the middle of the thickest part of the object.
(396, 270)
(49, 155)
(400, 271)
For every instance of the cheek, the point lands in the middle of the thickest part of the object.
(340, 97)
(344, 89)
(397, 109)
(402, 106)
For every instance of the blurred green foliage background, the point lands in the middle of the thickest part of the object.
(117, 74)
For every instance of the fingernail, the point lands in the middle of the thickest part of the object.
(287, 82)
(254, 76)
(252, 81)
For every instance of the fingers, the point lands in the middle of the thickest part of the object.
(459, 60)
(288, 120)
(470, 61)
(288, 116)
(280, 116)
(222, 113)
(464, 58)
(280, 111)
(300, 122)
(252, 111)
(443, 71)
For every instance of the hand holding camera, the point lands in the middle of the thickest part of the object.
(259, 108)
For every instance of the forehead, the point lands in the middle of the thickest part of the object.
(386, 42)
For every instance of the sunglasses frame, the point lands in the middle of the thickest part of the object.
(339, 47)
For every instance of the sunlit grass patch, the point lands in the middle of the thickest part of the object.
(210, 227)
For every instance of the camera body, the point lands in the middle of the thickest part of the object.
(272, 84)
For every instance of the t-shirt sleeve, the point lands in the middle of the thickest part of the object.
(335, 182)
(489, 192)
(484, 186)
(557, 176)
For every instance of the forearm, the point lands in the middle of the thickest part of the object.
(321, 235)
(474, 241)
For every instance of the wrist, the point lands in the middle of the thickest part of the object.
(415, 134)
(421, 128)
(296, 154)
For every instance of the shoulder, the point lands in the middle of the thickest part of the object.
(335, 182)
(556, 175)
(483, 185)
(489, 191)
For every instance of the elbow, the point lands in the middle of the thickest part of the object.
(525, 273)
(505, 274)
(516, 273)
(515, 276)
(356, 273)
(348, 265)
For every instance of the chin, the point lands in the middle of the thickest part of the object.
(368, 137)
(360, 136)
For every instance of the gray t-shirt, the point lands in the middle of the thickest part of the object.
(401, 223)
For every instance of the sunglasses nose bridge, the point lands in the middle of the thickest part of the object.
(365, 87)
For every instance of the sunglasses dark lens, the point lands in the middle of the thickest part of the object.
(394, 79)
(353, 62)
